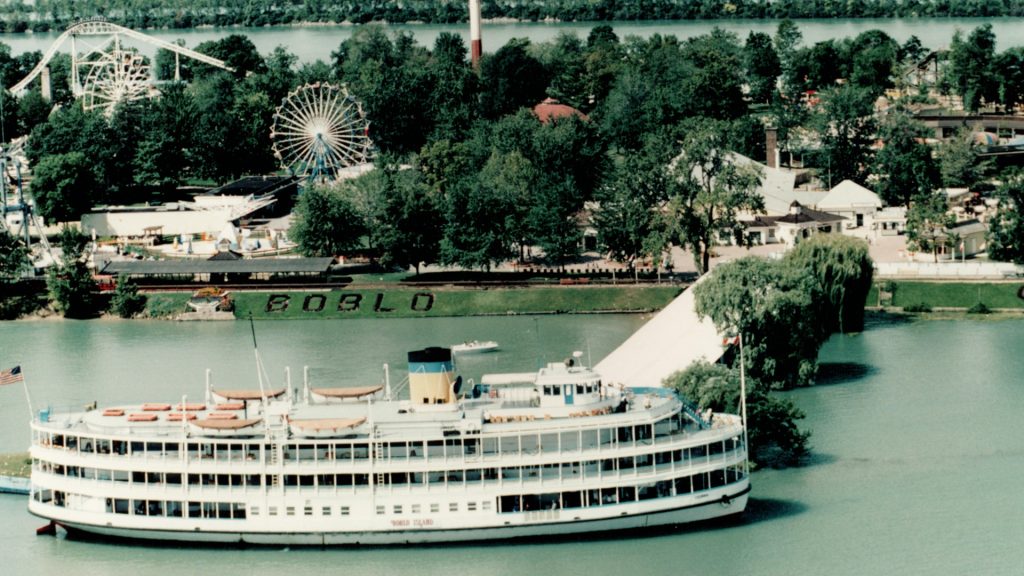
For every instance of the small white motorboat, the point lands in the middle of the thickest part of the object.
(475, 347)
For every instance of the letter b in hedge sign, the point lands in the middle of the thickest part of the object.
(277, 303)
(349, 302)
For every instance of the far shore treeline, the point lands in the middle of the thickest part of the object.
(44, 15)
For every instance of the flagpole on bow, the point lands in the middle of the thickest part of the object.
(743, 400)
(28, 398)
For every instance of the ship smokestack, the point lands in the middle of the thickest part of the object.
(476, 45)
(431, 376)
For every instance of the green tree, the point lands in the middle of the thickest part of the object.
(164, 155)
(1006, 230)
(404, 220)
(970, 67)
(326, 222)
(1009, 69)
(32, 111)
(486, 216)
(13, 257)
(842, 269)
(452, 99)
(904, 167)
(772, 305)
(958, 160)
(511, 79)
(873, 58)
(927, 221)
(713, 86)
(565, 62)
(775, 438)
(74, 130)
(847, 128)
(64, 187)
(787, 40)
(714, 188)
(127, 302)
(392, 80)
(630, 214)
(235, 50)
(762, 66)
(166, 63)
(71, 285)
(816, 68)
(602, 63)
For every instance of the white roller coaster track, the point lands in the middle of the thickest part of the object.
(103, 28)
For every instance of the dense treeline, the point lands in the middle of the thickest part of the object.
(43, 15)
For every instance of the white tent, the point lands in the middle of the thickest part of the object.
(669, 342)
(848, 196)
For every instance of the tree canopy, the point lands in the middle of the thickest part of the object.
(1006, 230)
(326, 222)
(774, 435)
(714, 187)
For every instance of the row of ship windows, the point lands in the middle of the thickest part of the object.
(232, 510)
(622, 494)
(644, 463)
(506, 504)
(167, 508)
(552, 442)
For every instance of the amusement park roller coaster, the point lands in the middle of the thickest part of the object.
(106, 72)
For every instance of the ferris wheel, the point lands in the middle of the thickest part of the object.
(319, 130)
(115, 76)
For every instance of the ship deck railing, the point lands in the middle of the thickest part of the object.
(584, 478)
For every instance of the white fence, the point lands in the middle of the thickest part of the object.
(965, 270)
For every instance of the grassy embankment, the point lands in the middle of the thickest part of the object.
(397, 301)
(922, 296)
(18, 464)
(411, 302)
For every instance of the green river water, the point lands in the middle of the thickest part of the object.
(917, 443)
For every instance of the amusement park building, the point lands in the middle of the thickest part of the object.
(235, 204)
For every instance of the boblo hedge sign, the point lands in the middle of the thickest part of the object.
(348, 302)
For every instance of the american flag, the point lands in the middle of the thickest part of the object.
(12, 376)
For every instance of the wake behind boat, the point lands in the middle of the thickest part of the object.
(550, 453)
(475, 347)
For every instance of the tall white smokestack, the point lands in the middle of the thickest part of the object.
(476, 45)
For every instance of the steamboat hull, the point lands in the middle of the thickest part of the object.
(558, 524)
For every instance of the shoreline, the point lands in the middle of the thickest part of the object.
(925, 299)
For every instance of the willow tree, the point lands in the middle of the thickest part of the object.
(772, 305)
(842, 269)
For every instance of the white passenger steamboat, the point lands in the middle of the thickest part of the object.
(517, 455)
